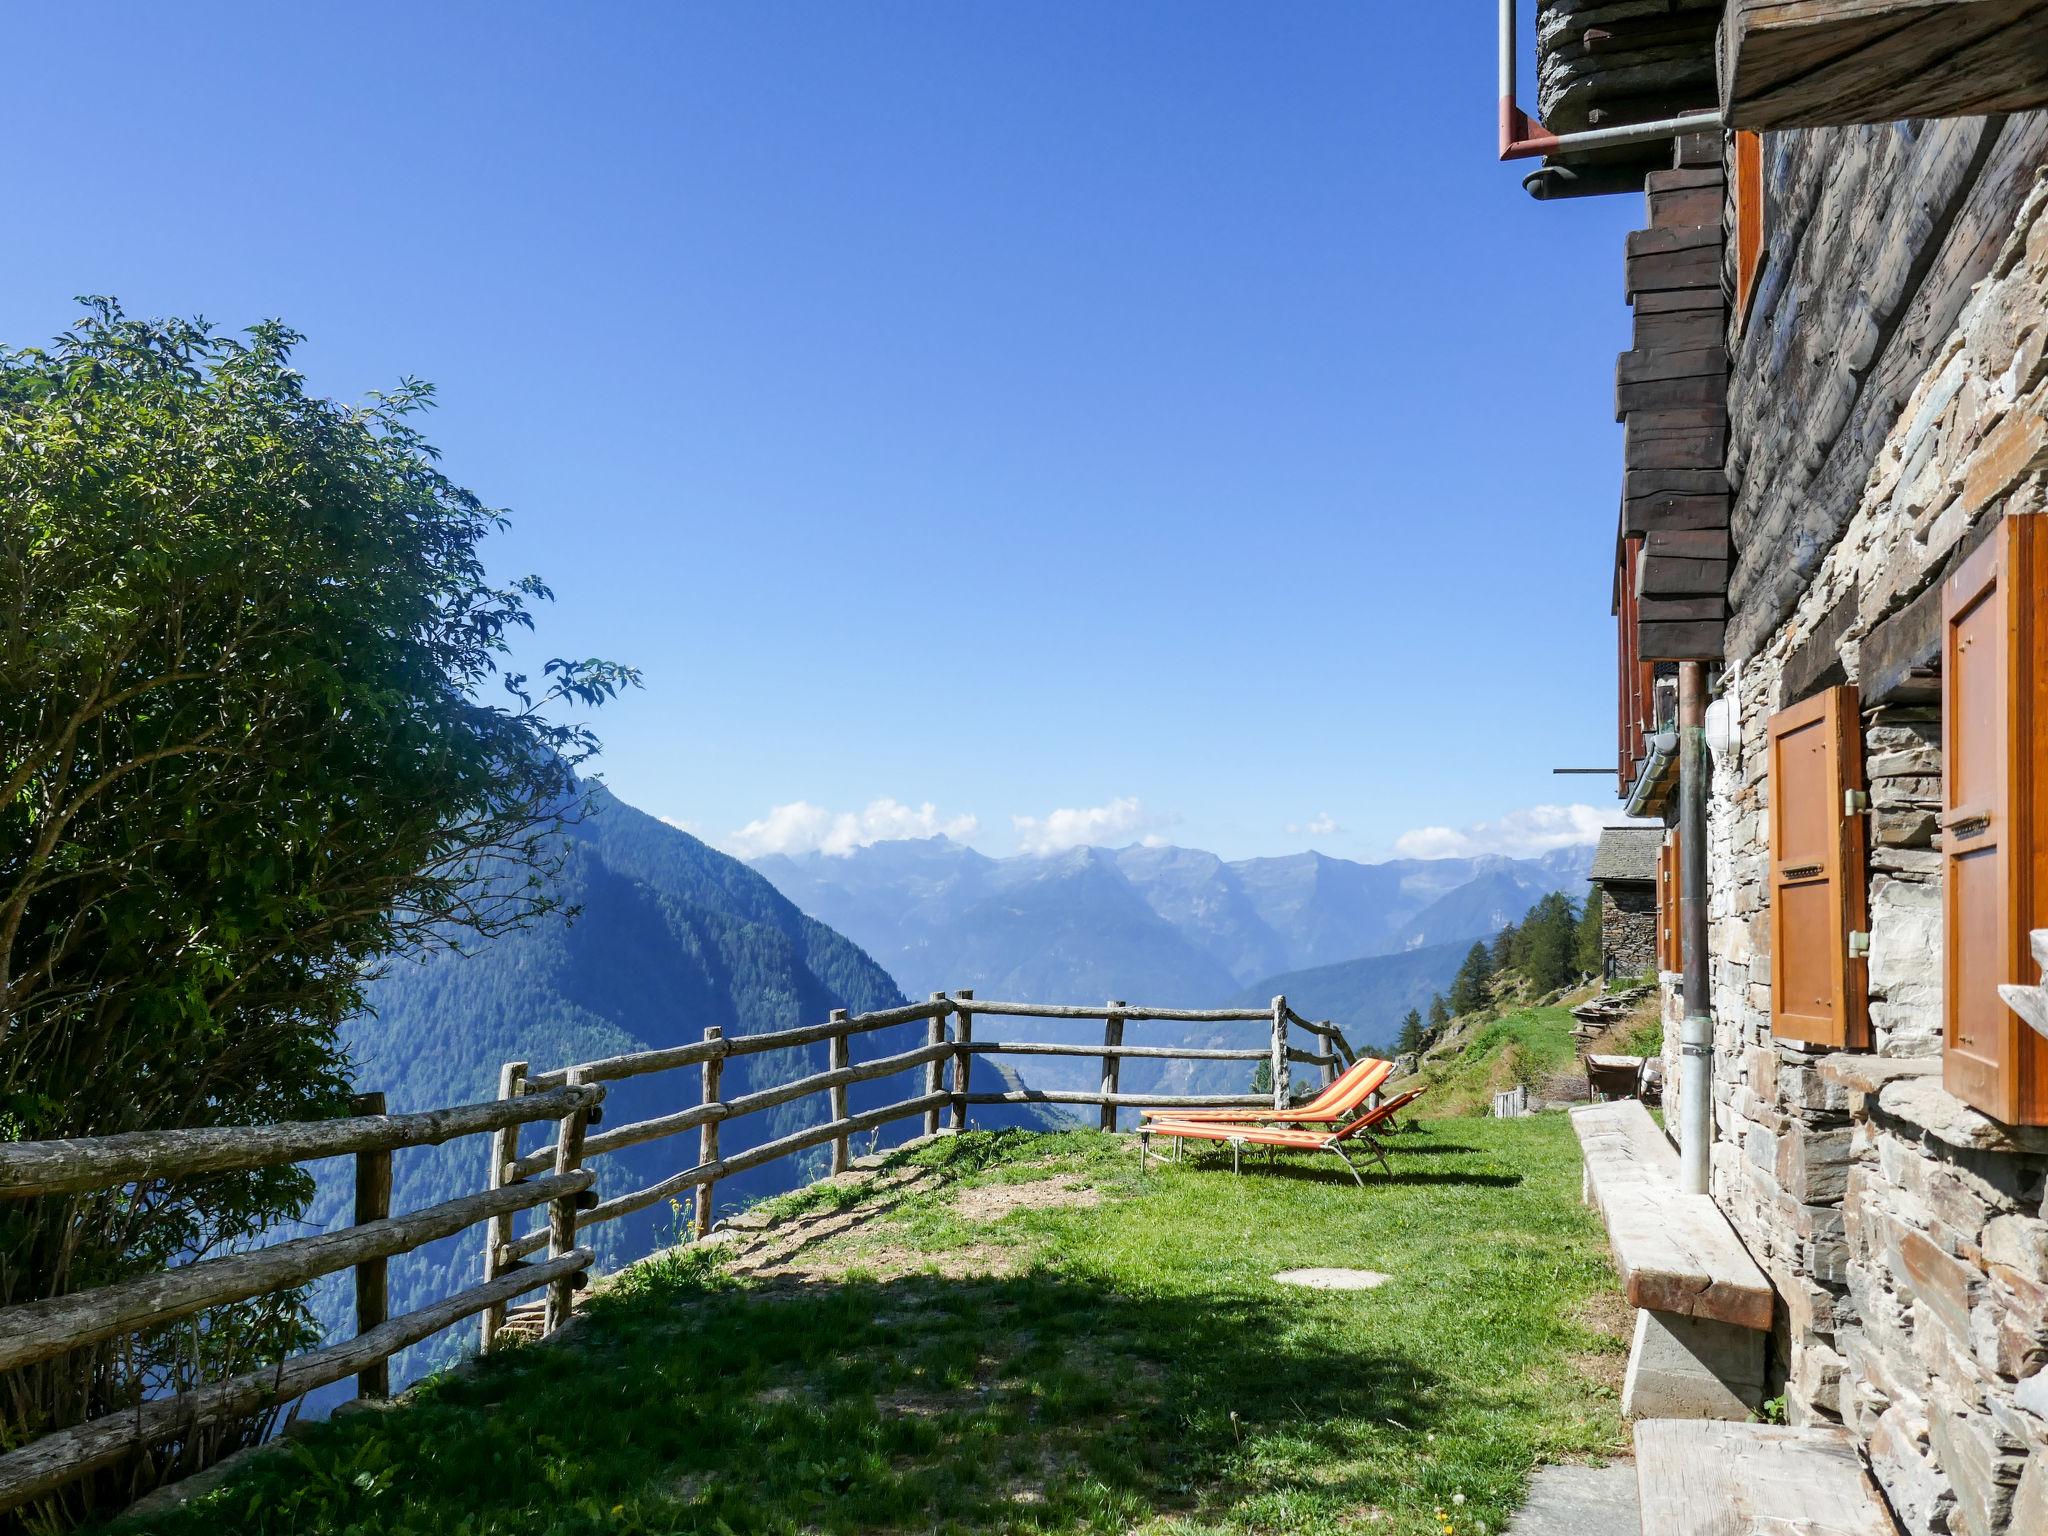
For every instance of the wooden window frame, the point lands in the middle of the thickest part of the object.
(1991, 1059)
(1835, 715)
(1748, 184)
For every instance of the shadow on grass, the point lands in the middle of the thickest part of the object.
(681, 1401)
(1326, 1171)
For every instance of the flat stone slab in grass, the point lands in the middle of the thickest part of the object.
(1334, 1279)
(1580, 1501)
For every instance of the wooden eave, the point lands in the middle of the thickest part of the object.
(1828, 63)
(1606, 62)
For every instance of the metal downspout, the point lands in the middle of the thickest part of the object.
(1696, 1032)
(1523, 138)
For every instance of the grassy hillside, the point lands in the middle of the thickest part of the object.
(1479, 1056)
(1021, 1336)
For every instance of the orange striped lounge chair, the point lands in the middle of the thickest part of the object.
(1305, 1138)
(1359, 1082)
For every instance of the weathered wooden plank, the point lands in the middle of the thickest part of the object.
(1681, 330)
(29, 1168)
(1682, 610)
(1656, 364)
(42, 1330)
(1707, 389)
(1675, 1252)
(1707, 1477)
(1653, 447)
(706, 1173)
(1699, 267)
(1680, 179)
(1696, 641)
(1667, 239)
(1134, 1015)
(639, 1063)
(1699, 201)
(1899, 660)
(1670, 512)
(1060, 1096)
(1820, 63)
(1665, 301)
(1710, 480)
(1165, 1052)
(1687, 543)
(66, 1454)
(1672, 576)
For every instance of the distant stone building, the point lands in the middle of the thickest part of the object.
(1831, 593)
(1624, 881)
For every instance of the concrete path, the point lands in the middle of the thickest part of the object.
(1580, 1501)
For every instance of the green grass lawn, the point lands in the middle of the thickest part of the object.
(1026, 1336)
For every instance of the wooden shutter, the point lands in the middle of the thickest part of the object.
(1819, 993)
(1994, 696)
(1749, 220)
(1670, 893)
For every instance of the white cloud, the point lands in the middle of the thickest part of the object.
(1322, 824)
(1123, 820)
(801, 827)
(695, 829)
(1519, 834)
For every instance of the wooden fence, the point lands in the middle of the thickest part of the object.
(551, 1176)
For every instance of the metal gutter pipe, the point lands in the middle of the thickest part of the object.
(1663, 746)
(1696, 1032)
(1522, 137)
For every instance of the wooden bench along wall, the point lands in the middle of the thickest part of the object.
(1704, 1307)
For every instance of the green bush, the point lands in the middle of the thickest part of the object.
(243, 757)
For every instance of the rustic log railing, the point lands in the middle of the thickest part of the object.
(44, 1329)
(552, 1178)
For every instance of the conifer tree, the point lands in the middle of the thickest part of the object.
(1469, 992)
(1410, 1040)
(1592, 944)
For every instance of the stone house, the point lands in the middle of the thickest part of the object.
(1626, 867)
(1831, 594)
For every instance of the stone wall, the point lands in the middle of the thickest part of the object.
(1904, 1233)
(1628, 929)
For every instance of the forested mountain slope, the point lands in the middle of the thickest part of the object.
(672, 937)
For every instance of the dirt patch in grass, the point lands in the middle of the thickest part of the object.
(1608, 1315)
(992, 1202)
(892, 1261)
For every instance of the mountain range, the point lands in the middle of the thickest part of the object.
(1175, 927)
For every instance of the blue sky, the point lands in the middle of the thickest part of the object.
(1142, 419)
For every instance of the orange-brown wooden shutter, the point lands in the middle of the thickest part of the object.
(1994, 818)
(1749, 220)
(1670, 905)
(1819, 993)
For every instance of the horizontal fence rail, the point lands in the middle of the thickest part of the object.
(44, 1329)
(550, 1179)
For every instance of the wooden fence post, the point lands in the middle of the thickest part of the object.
(1112, 1035)
(562, 1212)
(839, 1056)
(934, 1034)
(499, 1230)
(373, 1203)
(707, 1136)
(1326, 1045)
(963, 1058)
(1280, 1068)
